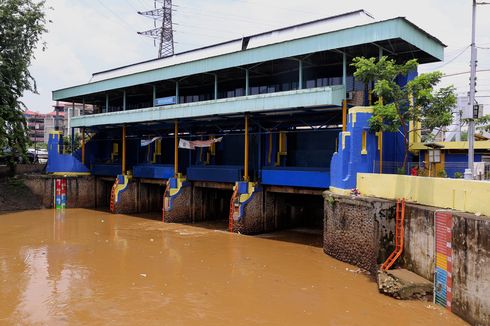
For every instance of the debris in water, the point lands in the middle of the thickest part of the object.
(151, 240)
(143, 275)
(358, 270)
(102, 221)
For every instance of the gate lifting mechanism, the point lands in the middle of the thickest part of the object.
(399, 235)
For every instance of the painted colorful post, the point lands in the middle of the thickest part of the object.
(60, 193)
(443, 273)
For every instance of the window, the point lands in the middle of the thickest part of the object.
(364, 141)
(434, 156)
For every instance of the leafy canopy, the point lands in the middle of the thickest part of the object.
(417, 101)
(22, 23)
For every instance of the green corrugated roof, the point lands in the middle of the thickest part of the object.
(396, 28)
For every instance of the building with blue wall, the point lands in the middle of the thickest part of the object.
(277, 100)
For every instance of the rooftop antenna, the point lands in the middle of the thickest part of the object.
(164, 34)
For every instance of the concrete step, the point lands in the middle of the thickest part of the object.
(404, 285)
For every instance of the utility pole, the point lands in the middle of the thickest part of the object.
(471, 124)
(164, 34)
(473, 105)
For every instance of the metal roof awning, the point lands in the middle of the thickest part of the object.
(397, 36)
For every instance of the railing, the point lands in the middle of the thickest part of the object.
(332, 95)
(441, 170)
(197, 99)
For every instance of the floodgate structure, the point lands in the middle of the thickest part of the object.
(254, 131)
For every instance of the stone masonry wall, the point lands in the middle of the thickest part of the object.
(358, 230)
(253, 219)
(181, 208)
(128, 199)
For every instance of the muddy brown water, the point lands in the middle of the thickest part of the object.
(91, 267)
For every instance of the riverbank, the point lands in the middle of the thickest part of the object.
(15, 195)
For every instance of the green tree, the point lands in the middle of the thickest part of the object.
(77, 140)
(483, 123)
(22, 23)
(417, 101)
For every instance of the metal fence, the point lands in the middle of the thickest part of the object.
(446, 170)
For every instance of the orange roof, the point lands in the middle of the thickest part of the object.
(29, 112)
(53, 113)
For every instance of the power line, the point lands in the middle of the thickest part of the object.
(224, 15)
(464, 73)
(164, 33)
(454, 58)
(116, 15)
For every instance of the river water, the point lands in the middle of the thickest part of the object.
(90, 267)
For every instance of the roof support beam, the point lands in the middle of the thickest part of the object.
(300, 74)
(381, 48)
(176, 92)
(247, 81)
(124, 100)
(215, 86)
(344, 70)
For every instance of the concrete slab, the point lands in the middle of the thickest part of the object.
(404, 285)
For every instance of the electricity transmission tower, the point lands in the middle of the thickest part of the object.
(164, 34)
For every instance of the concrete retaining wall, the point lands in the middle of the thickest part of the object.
(459, 194)
(82, 192)
(359, 230)
(471, 258)
(21, 169)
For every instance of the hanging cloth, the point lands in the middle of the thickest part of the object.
(146, 142)
(192, 144)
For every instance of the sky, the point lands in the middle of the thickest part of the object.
(87, 36)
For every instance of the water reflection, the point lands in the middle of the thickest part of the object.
(58, 219)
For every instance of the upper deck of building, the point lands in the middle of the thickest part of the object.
(305, 65)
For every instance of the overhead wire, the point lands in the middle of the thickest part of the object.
(116, 15)
(451, 60)
(224, 15)
(275, 6)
